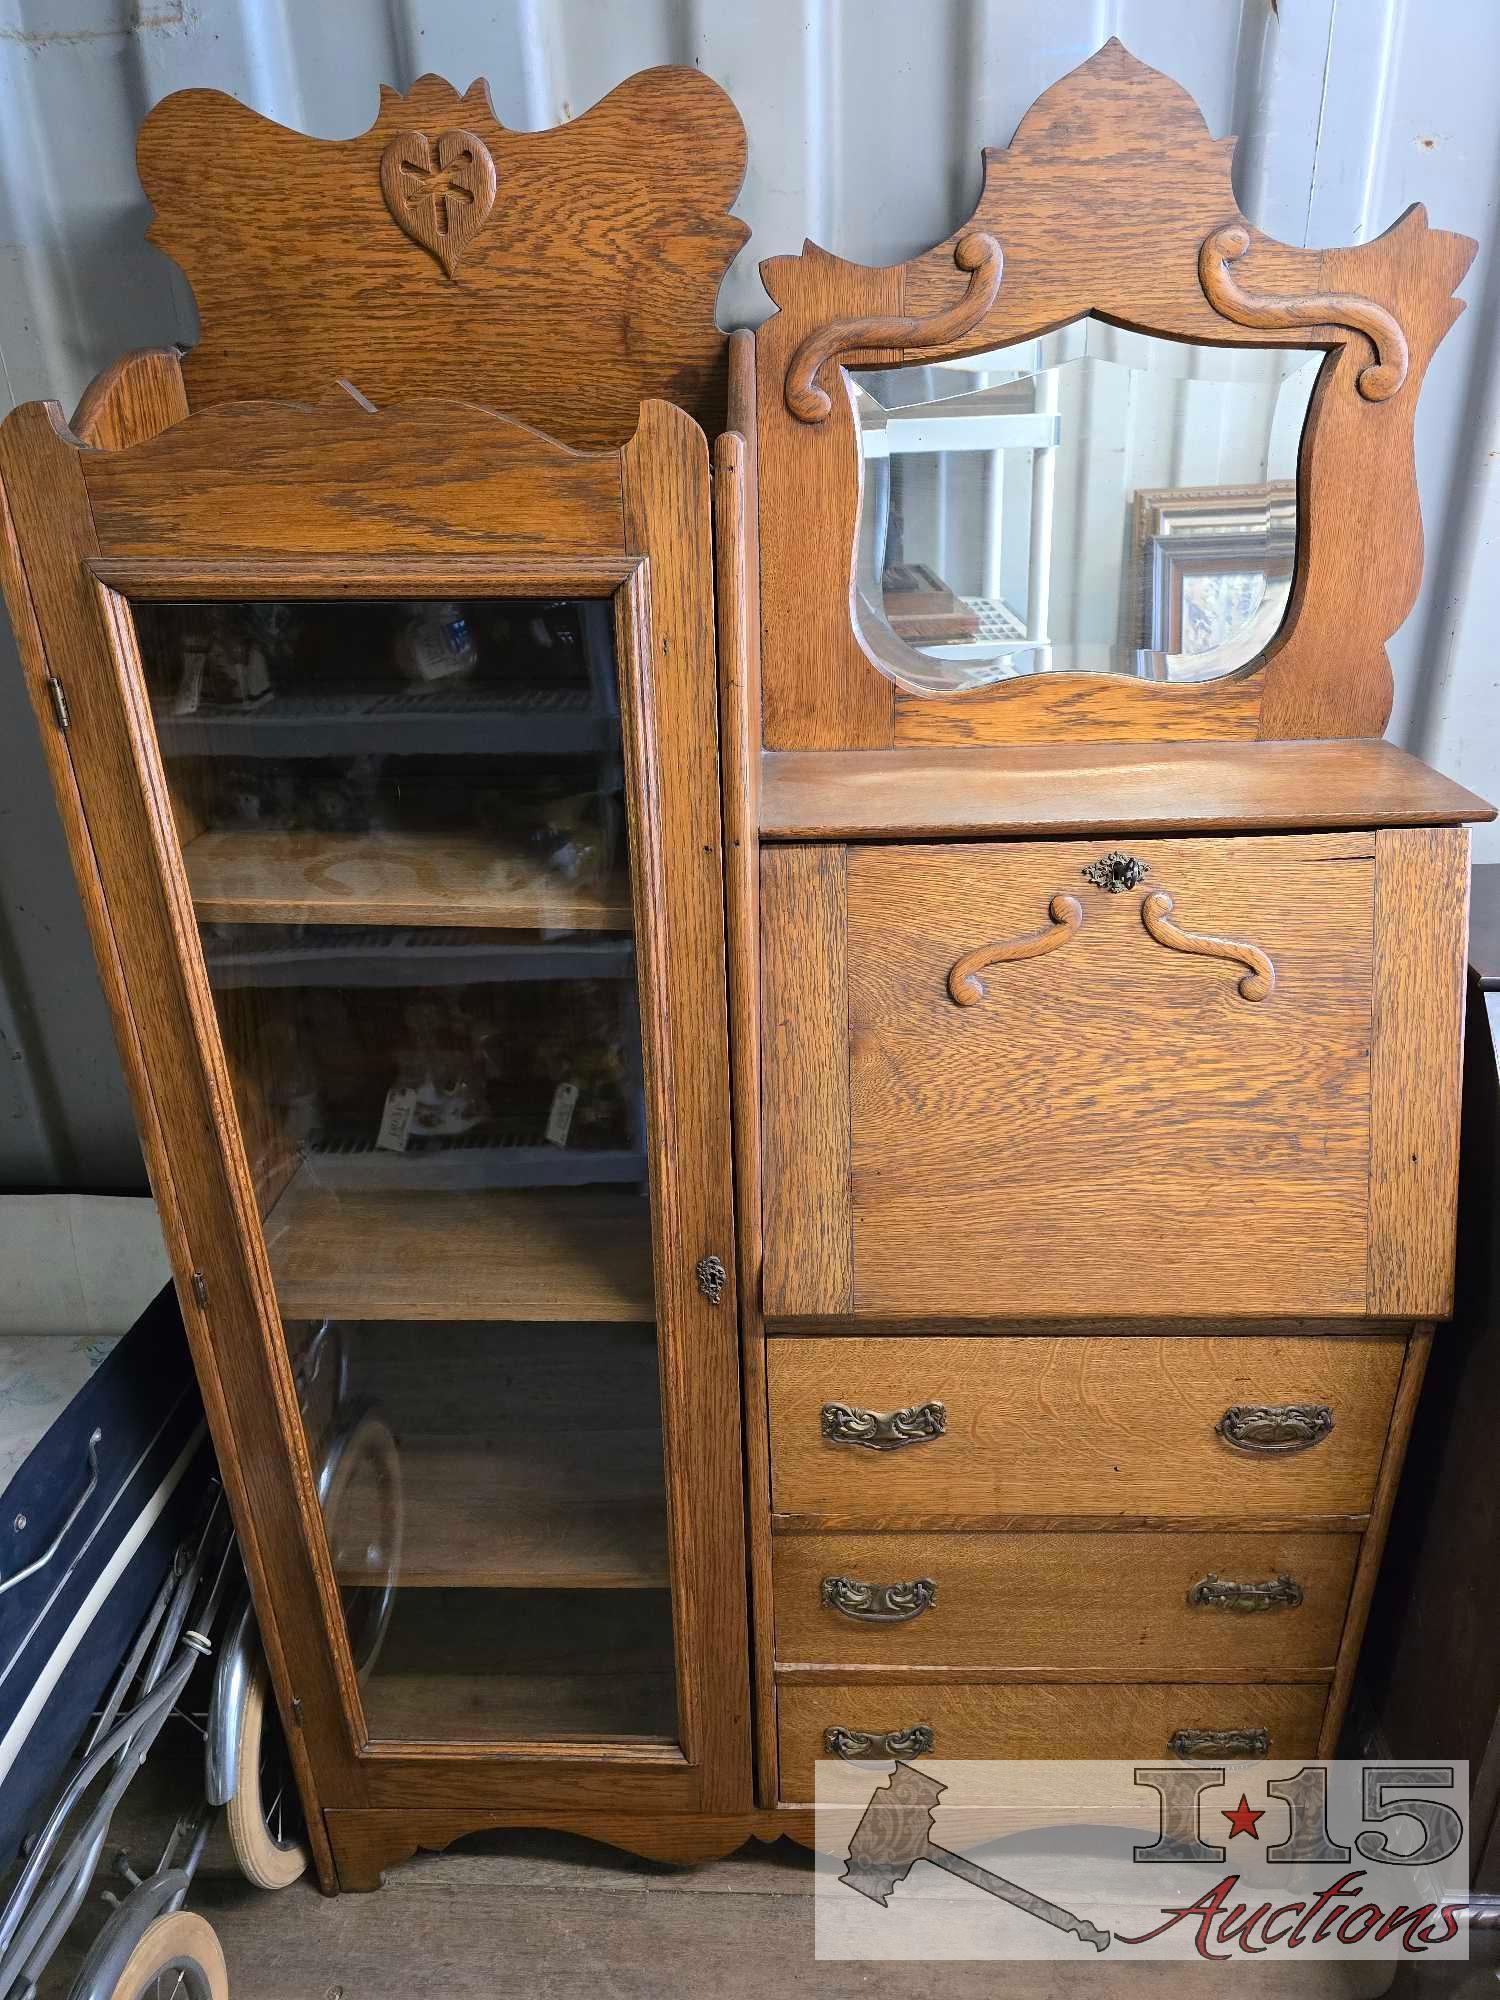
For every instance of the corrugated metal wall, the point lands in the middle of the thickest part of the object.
(865, 119)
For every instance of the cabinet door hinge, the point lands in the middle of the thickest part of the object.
(59, 701)
(200, 1288)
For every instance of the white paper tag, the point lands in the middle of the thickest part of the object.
(560, 1117)
(190, 687)
(395, 1120)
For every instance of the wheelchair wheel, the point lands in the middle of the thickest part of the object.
(359, 1486)
(178, 1958)
(263, 1817)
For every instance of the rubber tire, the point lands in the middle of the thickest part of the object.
(179, 1934)
(260, 1860)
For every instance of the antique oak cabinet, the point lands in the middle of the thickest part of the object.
(805, 1097)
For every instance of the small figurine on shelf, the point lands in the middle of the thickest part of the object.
(439, 1088)
(575, 833)
(435, 643)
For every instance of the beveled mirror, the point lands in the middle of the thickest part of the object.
(1094, 501)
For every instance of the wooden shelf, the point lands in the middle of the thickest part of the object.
(559, 1666)
(494, 1254)
(1044, 791)
(585, 1512)
(250, 877)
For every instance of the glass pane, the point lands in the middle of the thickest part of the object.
(1093, 501)
(405, 833)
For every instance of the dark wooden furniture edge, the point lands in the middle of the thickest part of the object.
(1051, 789)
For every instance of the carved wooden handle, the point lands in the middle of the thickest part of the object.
(1220, 1742)
(1218, 1593)
(886, 1430)
(879, 1603)
(916, 1741)
(1275, 1426)
(964, 983)
(1259, 983)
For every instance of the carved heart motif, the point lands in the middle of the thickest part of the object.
(441, 195)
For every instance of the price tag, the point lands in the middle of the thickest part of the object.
(395, 1120)
(560, 1117)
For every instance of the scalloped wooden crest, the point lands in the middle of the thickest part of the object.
(565, 275)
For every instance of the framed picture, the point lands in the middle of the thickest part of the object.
(1210, 562)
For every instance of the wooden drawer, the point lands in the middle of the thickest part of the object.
(1032, 1719)
(1074, 1426)
(1067, 1603)
(1124, 1119)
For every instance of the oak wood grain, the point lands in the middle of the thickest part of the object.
(482, 1514)
(1416, 1067)
(737, 576)
(275, 479)
(1043, 1719)
(1119, 1425)
(443, 496)
(1108, 1605)
(132, 400)
(1102, 203)
(1049, 790)
(1115, 1129)
(808, 1249)
(589, 287)
(498, 1253)
(161, 1004)
(669, 712)
(1372, 1547)
(250, 876)
(365, 1844)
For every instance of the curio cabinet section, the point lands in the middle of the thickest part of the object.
(394, 735)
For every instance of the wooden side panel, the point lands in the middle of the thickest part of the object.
(1118, 1125)
(1043, 1719)
(737, 576)
(808, 1254)
(1060, 1605)
(189, 1133)
(1121, 1425)
(1372, 1547)
(679, 899)
(1416, 1068)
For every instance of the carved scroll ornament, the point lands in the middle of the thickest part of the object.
(975, 252)
(1377, 381)
(1258, 983)
(965, 987)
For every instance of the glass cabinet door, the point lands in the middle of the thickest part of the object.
(405, 830)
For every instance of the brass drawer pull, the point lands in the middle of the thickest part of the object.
(1220, 1742)
(964, 984)
(1275, 1426)
(879, 1603)
(1258, 983)
(1217, 1593)
(857, 1744)
(883, 1431)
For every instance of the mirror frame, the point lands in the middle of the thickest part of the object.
(1112, 200)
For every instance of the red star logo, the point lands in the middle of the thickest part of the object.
(1243, 1818)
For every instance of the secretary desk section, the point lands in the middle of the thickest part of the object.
(1097, 973)
(394, 739)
